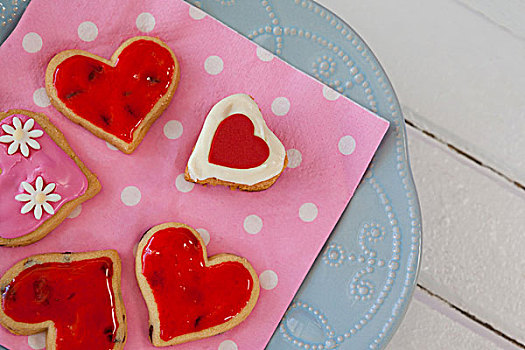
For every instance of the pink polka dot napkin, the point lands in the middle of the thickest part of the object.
(329, 140)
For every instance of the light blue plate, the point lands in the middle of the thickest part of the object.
(357, 292)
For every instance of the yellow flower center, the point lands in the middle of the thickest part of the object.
(40, 198)
(18, 134)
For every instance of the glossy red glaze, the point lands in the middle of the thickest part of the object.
(235, 146)
(191, 297)
(78, 297)
(116, 99)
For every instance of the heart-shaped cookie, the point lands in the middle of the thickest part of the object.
(74, 296)
(118, 99)
(42, 180)
(236, 148)
(190, 296)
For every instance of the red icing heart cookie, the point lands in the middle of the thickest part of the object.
(236, 148)
(118, 99)
(74, 296)
(190, 296)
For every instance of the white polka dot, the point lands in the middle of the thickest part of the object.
(111, 147)
(32, 42)
(268, 279)
(308, 212)
(183, 185)
(145, 22)
(264, 55)
(329, 94)
(173, 129)
(280, 106)
(228, 345)
(214, 65)
(196, 13)
(205, 235)
(87, 31)
(40, 98)
(253, 224)
(37, 341)
(294, 158)
(76, 212)
(347, 145)
(130, 196)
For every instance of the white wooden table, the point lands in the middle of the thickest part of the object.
(458, 67)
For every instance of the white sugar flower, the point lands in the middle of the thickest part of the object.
(22, 137)
(38, 198)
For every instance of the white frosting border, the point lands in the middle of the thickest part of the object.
(200, 169)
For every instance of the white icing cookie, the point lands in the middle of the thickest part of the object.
(231, 152)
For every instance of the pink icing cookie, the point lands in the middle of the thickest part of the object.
(41, 178)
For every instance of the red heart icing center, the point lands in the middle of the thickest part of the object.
(235, 146)
(116, 99)
(78, 297)
(191, 296)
